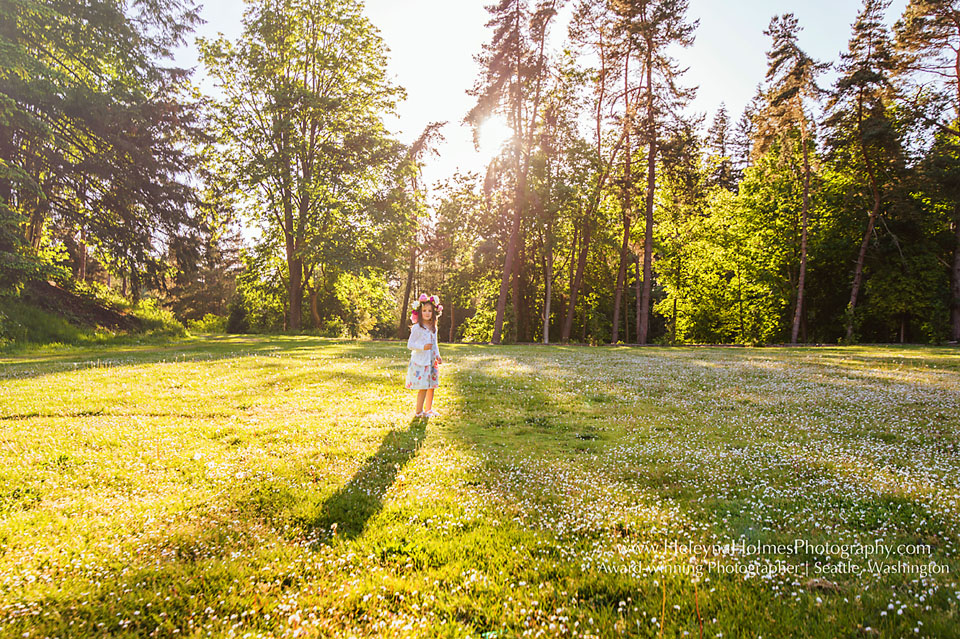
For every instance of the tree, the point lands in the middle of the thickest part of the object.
(513, 65)
(656, 26)
(928, 48)
(594, 28)
(680, 224)
(791, 75)
(96, 133)
(424, 145)
(862, 130)
(720, 141)
(305, 89)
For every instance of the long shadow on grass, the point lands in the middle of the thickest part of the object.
(34, 364)
(346, 512)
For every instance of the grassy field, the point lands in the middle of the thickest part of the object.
(281, 487)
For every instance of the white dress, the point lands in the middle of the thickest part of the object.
(422, 372)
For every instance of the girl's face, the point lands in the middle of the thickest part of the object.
(427, 311)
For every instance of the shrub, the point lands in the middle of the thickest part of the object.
(334, 327)
(157, 321)
(209, 323)
(237, 321)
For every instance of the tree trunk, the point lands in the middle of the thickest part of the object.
(294, 285)
(648, 216)
(453, 323)
(508, 266)
(679, 283)
(861, 256)
(673, 328)
(577, 280)
(621, 276)
(314, 310)
(636, 300)
(294, 261)
(858, 268)
(795, 329)
(519, 327)
(740, 299)
(548, 292)
(626, 206)
(134, 285)
(82, 270)
(401, 332)
(505, 278)
(626, 313)
(955, 284)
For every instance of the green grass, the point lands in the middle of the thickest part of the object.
(279, 486)
(26, 327)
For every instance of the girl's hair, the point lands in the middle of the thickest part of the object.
(433, 316)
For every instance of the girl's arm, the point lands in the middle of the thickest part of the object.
(415, 341)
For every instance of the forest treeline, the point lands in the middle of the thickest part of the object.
(824, 212)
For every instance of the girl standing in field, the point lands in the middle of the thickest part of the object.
(423, 373)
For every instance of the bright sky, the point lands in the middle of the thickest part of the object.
(432, 44)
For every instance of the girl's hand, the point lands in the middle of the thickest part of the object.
(428, 347)
(439, 361)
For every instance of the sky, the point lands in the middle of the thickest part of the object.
(432, 44)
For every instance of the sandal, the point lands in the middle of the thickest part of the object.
(431, 413)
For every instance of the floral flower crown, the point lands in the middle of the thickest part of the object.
(417, 303)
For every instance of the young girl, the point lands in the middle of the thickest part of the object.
(423, 372)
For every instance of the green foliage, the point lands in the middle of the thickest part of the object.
(23, 323)
(366, 303)
(237, 319)
(99, 293)
(95, 134)
(158, 321)
(209, 323)
(479, 326)
(261, 291)
(302, 136)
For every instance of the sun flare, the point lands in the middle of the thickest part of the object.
(493, 133)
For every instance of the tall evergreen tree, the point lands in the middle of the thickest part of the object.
(657, 26)
(861, 127)
(95, 132)
(791, 75)
(720, 140)
(513, 76)
(928, 48)
(745, 133)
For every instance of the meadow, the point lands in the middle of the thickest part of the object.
(280, 486)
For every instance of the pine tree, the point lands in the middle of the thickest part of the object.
(928, 48)
(720, 140)
(514, 66)
(746, 133)
(95, 133)
(860, 123)
(656, 26)
(791, 75)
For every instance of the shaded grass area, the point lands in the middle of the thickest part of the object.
(279, 486)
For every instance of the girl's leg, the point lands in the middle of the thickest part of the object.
(420, 395)
(429, 403)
